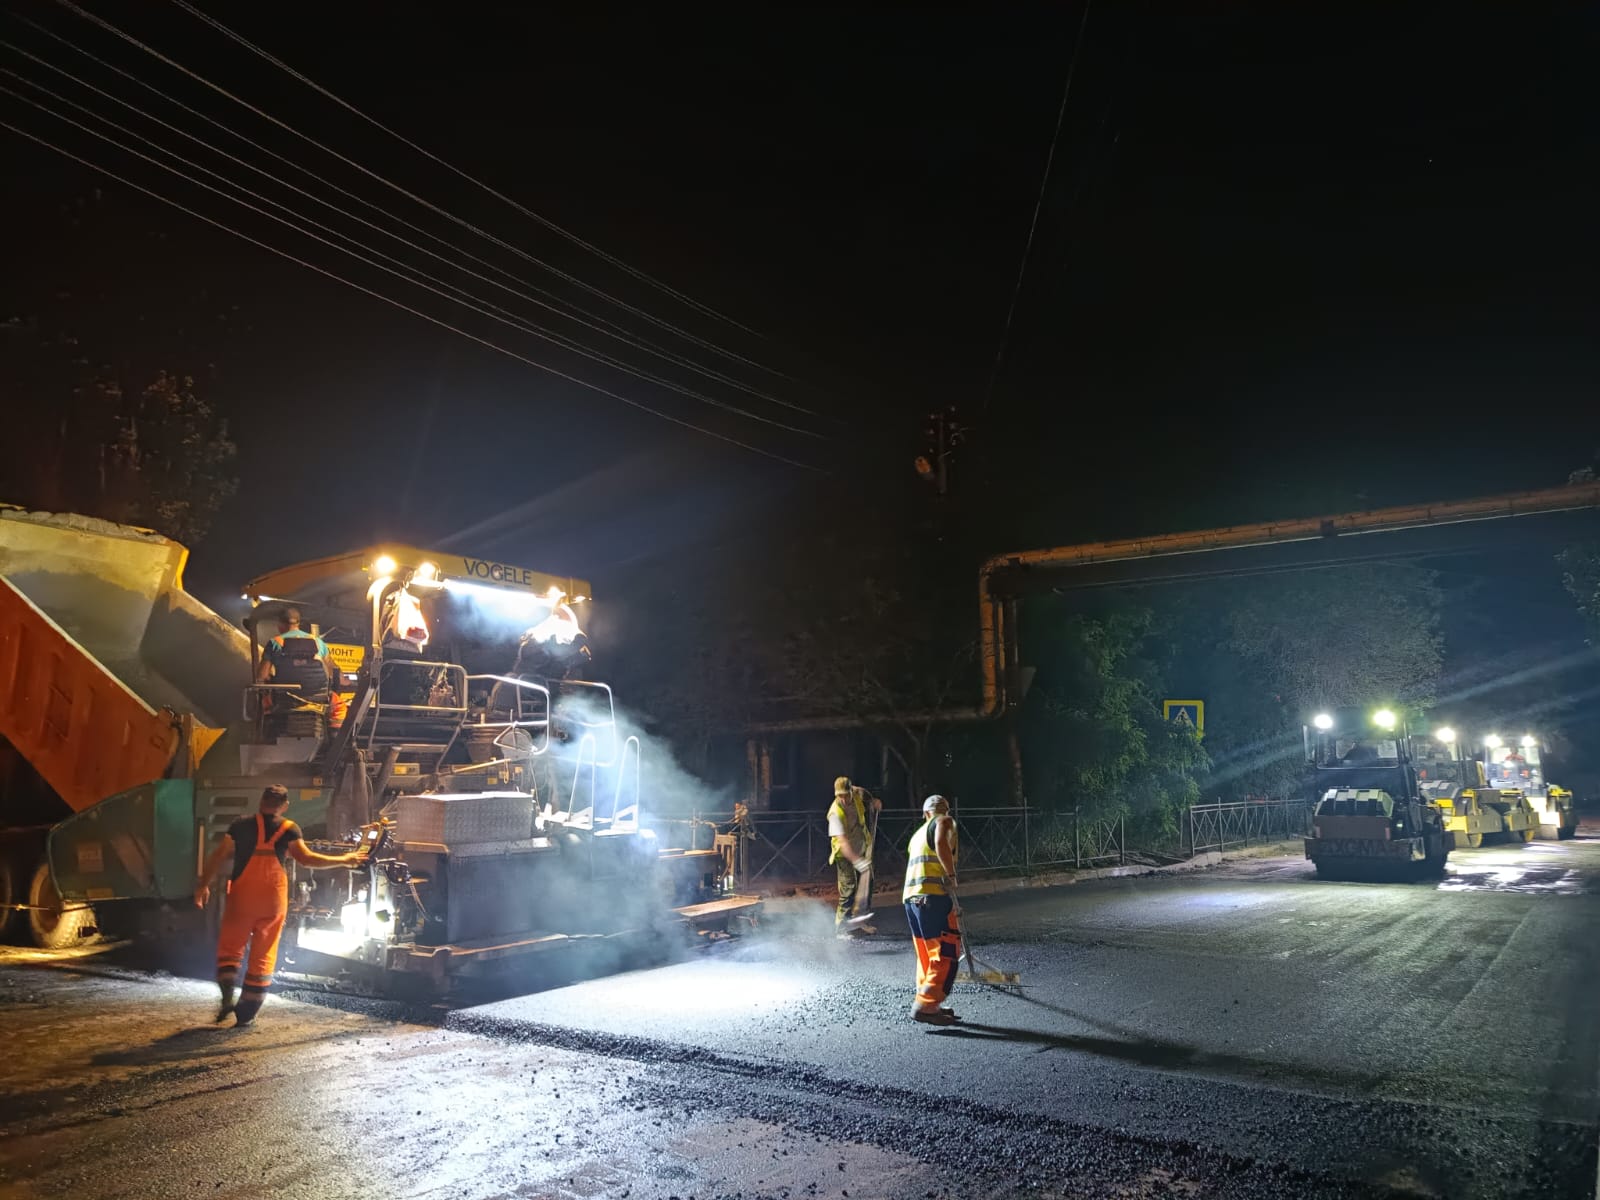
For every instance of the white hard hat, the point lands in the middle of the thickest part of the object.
(933, 802)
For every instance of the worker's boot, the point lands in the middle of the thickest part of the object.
(226, 1006)
(933, 1016)
(247, 1010)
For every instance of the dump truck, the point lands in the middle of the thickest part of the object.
(1518, 765)
(1370, 818)
(453, 724)
(1453, 778)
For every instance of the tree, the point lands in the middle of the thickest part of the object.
(1580, 575)
(1093, 737)
(1266, 652)
(151, 453)
(1580, 571)
(98, 419)
(849, 610)
(170, 462)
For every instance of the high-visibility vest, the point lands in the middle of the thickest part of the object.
(857, 827)
(924, 872)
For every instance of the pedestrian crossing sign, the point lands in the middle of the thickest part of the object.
(1188, 713)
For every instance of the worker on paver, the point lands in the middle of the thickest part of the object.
(273, 653)
(931, 911)
(258, 897)
(852, 846)
(299, 659)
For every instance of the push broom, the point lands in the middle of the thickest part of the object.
(976, 970)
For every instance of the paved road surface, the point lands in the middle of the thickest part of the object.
(1246, 1032)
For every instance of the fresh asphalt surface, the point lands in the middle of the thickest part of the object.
(1243, 1031)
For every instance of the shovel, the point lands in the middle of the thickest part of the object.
(864, 886)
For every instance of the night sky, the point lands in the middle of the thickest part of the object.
(1287, 261)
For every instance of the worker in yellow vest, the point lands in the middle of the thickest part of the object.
(931, 911)
(851, 838)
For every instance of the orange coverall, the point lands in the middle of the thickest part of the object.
(258, 902)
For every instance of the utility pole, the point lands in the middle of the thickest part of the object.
(941, 435)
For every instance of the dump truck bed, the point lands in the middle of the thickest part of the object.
(97, 638)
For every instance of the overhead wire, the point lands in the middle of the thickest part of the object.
(598, 324)
(611, 259)
(566, 276)
(390, 300)
(1038, 206)
(472, 302)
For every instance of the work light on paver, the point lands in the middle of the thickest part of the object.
(1446, 734)
(1383, 719)
(1322, 721)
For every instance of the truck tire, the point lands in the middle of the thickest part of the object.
(1436, 863)
(52, 925)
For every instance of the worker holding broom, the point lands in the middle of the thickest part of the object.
(931, 910)
(851, 837)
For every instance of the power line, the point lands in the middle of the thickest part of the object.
(472, 302)
(667, 289)
(722, 437)
(566, 276)
(599, 324)
(1038, 204)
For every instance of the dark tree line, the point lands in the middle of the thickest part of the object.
(100, 370)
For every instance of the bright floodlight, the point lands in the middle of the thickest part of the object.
(383, 565)
(1492, 741)
(1445, 735)
(1322, 721)
(426, 572)
(1383, 719)
(1527, 741)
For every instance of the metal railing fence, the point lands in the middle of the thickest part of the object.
(793, 848)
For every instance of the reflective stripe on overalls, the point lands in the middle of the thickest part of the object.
(258, 902)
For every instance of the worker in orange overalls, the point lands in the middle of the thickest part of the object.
(931, 911)
(258, 897)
